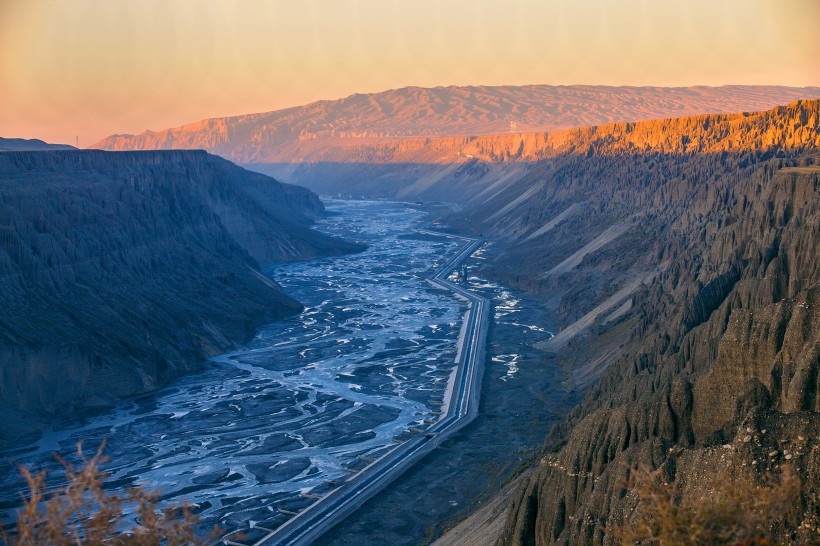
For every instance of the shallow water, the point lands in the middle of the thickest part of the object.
(308, 397)
(522, 397)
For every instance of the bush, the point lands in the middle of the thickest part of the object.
(737, 511)
(83, 512)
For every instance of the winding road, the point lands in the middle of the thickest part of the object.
(458, 410)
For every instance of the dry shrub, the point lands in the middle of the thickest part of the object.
(739, 511)
(83, 512)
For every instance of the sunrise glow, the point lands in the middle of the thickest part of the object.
(96, 67)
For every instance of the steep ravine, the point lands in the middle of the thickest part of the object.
(122, 271)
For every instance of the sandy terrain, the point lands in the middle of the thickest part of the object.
(564, 336)
(570, 210)
(484, 526)
(609, 235)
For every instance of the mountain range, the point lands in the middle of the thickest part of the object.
(416, 143)
(29, 145)
(297, 134)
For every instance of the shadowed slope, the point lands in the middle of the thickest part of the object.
(122, 271)
(713, 367)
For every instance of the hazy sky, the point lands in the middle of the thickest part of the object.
(96, 67)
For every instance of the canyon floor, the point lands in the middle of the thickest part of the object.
(318, 393)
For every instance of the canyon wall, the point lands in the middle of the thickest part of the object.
(705, 367)
(122, 271)
(721, 346)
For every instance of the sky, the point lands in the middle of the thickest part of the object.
(90, 68)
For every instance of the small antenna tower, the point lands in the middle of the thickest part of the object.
(513, 125)
(76, 141)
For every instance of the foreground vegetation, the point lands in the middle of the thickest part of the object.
(83, 511)
(738, 512)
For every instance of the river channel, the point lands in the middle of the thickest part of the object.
(314, 396)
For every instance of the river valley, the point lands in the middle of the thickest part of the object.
(315, 396)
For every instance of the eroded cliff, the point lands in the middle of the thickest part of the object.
(684, 258)
(723, 344)
(122, 271)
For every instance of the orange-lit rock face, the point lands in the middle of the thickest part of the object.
(366, 126)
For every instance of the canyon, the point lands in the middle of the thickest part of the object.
(681, 258)
(678, 256)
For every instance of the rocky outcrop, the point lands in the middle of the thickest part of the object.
(122, 271)
(691, 418)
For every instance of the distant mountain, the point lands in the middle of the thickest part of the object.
(122, 271)
(29, 145)
(466, 168)
(299, 134)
